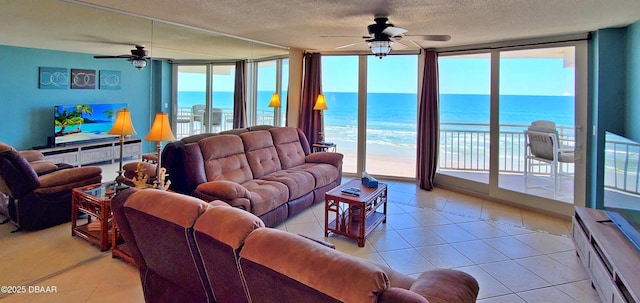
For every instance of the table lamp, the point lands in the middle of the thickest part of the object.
(122, 127)
(321, 105)
(160, 131)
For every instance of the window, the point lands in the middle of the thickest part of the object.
(388, 105)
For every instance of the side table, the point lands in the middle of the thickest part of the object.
(355, 216)
(94, 201)
(119, 249)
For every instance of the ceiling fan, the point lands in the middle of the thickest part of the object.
(138, 57)
(384, 35)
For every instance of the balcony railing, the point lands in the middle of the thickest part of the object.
(465, 146)
(188, 123)
(622, 159)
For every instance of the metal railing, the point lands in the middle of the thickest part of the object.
(187, 123)
(465, 146)
(622, 158)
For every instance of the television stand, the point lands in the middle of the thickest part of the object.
(611, 260)
(94, 152)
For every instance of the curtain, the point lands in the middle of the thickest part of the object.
(428, 123)
(310, 121)
(239, 97)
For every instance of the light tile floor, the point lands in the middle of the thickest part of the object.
(512, 255)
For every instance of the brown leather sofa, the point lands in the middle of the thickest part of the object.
(188, 250)
(268, 172)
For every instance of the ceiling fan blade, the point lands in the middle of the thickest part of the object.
(398, 45)
(394, 31)
(350, 45)
(430, 37)
(112, 57)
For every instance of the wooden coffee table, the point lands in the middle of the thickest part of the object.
(355, 216)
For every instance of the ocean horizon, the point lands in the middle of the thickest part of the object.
(392, 117)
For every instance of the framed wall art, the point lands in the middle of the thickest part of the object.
(53, 78)
(83, 79)
(110, 79)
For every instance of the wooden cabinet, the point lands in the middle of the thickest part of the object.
(95, 152)
(611, 260)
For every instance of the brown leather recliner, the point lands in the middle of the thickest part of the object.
(38, 191)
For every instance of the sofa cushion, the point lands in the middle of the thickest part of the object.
(224, 159)
(261, 154)
(266, 195)
(312, 264)
(287, 143)
(322, 173)
(298, 182)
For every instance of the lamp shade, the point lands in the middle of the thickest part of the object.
(139, 63)
(161, 129)
(122, 126)
(380, 48)
(275, 100)
(321, 103)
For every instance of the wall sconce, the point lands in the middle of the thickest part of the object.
(122, 127)
(275, 100)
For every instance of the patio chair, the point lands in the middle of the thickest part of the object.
(216, 120)
(544, 154)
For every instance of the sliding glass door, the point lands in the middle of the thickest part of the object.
(488, 104)
(465, 105)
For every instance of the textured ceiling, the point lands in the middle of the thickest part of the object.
(208, 29)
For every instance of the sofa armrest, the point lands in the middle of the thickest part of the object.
(334, 159)
(68, 179)
(31, 155)
(224, 190)
(446, 285)
(400, 295)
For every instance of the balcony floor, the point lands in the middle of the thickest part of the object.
(516, 182)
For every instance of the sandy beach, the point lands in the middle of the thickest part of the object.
(381, 159)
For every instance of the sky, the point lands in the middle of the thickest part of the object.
(398, 74)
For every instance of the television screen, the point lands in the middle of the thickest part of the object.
(84, 122)
(622, 185)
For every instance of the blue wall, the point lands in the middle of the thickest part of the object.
(614, 97)
(27, 111)
(633, 82)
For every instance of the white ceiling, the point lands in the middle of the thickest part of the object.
(240, 29)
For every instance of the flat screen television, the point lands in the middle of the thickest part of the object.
(622, 185)
(78, 123)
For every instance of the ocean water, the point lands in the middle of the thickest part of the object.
(392, 117)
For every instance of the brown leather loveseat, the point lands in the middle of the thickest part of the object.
(270, 173)
(188, 250)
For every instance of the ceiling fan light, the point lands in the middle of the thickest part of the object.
(380, 48)
(139, 63)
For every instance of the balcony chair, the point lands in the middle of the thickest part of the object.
(197, 111)
(216, 120)
(544, 155)
(37, 193)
